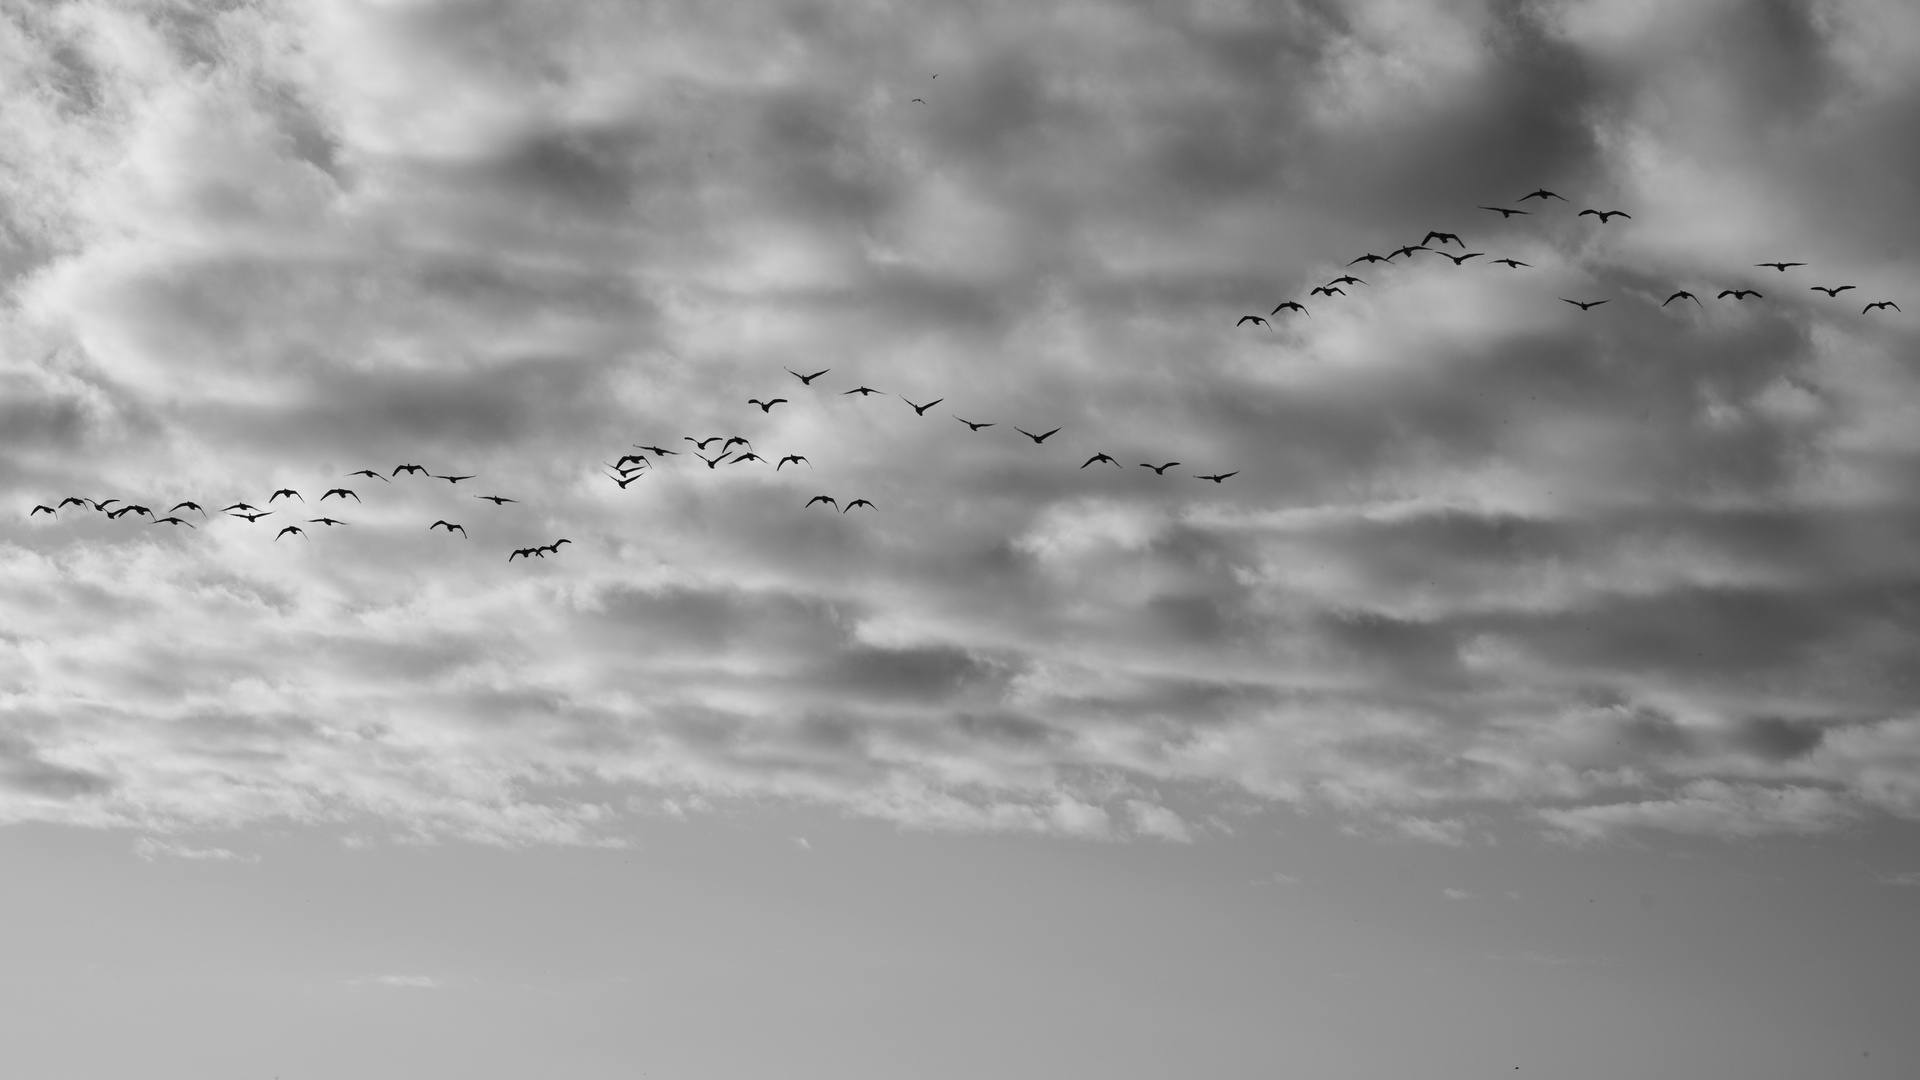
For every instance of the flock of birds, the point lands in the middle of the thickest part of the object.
(1441, 239)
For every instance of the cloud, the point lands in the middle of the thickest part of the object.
(1456, 894)
(1486, 558)
(151, 849)
(417, 982)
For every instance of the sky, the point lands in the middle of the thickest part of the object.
(1533, 693)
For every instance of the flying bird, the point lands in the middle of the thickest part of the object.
(251, 518)
(103, 504)
(656, 451)
(863, 391)
(859, 502)
(327, 521)
(795, 458)
(1101, 457)
(623, 481)
(294, 529)
(828, 499)
(699, 444)
(1880, 304)
(748, 456)
(714, 461)
(1159, 470)
(1037, 439)
(409, 469)
(624, 458)
(1542, 193)
(1288, 305)
(74, 499)
(449, 526)
(141, 510)
(921, 410)
(765, 406)
(342, 492)
(734, 441)
(1443, 237)
(1603, 215)
(806, 380)
(1780, 266)
(1459, 259)
(496, 499)
(286, 491)
(451, 479)
(1739, 294)
(971, 426)
(189, 505)
(175, 521)
(239, 506)
(116, 515)
(369, 472)
(1681, 295)
(555, 546)
(1369, 257)
(1409, 250)
(42, 508)
(1255, 319)
(1348, 279)
(1835, 291)
(1218, 477)
(922, 101)
(1512, 264)
(525, 553)
(1583, 304)
(1503, 211)
(624, 470)
(1327, 290)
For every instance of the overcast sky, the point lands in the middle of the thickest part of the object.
(1502, 596)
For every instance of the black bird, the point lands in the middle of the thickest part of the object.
(235, 506)
(1835, 291)
(116, 515)
(1327, 290)
(1346, 280)
(765, 406)
(294, 529)
(748, 456)
(179, 505)
(1101, 457)
(327, 521)
(1503, 211)
(1369, 257)
(1159, 470)
(286, 491)
(863, 391)
(1542, 193)
(828, 499)
(1780, 266)
(369, 472)
(859, 502)
(699, 444)
(175, 521)
(1409, 250)
(1880, 304)
(1460, 259)
(622, 469)
(452, 479)
(1583, 304)
(1603, 215)
(555, 546)
(921, 410)
(342, 492)
(1288, 305)
(1218, 477)
(1681, 295)
(103, 504)
(409, 469)
(74, 499)
(624, 458)
(251, 518)
(732, 442)
(623, 481)
(42, 507)
(141, 510)
(450, 526)
(656, 451)
(496, 499)
(1512, 264)
(714, 461)
(795, 458)
(525, 553)
(971, 426)
(922, 101)
(806, 380)
(1255, 319)
(1739, 294)
(1037, 439)
(1443, 237)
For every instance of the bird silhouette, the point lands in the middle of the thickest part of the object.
(1255, 319)
(449, 526)
(42, 508)
(623, 481)
(409, 469)
(748, 456)
(1739, 294)
(921, 410)
(1780, 266)
(102, 506)
(294, 529)
(368, 472)
(1101, 457)
(1512, 264)
(622, 469)
(1880, 304)
(1459, 259)
(971, 426)
(1218, 477)
(922, 101)
(1369, 257)
(451, 479)
(1288, 305)
(806, 380)
(496, 499)
(734, 441)
(858, 502)
(116, 515)
(1681, 295)
(828, 499)
(327, 521)
(863, 391)
(555, 546)
(700, 444)
(765, 406)
(1835, 291)
(1347, 279)
(656, 451)
(1542, 193)
(1409, 250)
(525, 553)
(1583, 304)
(1326, 290)
(1603, 215)
(796, 459)
(74, 499)
(251, 518)
(1159, 470)
(714, 461)
(185, 505)
(624, 458)
(239, 506)
(1443, 237)
(175, 521)
(342, 492)
(286, 491)
(1037, 439)
(1503, 211)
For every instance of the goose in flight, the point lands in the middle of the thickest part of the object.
(1583, 304)
(1681, 295)
(449, 526)
(766, 406)
(1443, 237)
(40, 508)
(1346, 279)
(828, 499)
(863, 391)
(409, 469)
(1835, 291)
(748, 456)
(806, 380)
(640, 462)
(623, 481)
(1503, 211)
(1159, 470)
(451, 479)
(1603, 215)
(175, 521)
(1327, 290)
(1101, 457)
(239, 506)
(1037, 439)
(714, 461)
(1780, 266)
(524, 553)
(294, 529)
(1880, 304)
(327, 521)
(116, 515)
(1218, 477)
(734, 441)
(496, 499)
(971, 426)
(1288, 305)
(1408, 250)
(921, 410)
(922, 101)
(104, 503)
(1739, 294)
(342, 492)
(796, 459)
(858, 502)
(186, 505)
(624, 469)
(1460, 259)
(251, 518)
(369, 472)
(1369, 257)
(699, 444)
(555, 546)
(1255, 319)
(74, 499)
(1542, 193)
(286, 491)
(1512, 264)
(656, 451)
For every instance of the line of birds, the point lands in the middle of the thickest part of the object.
(1333, 288)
